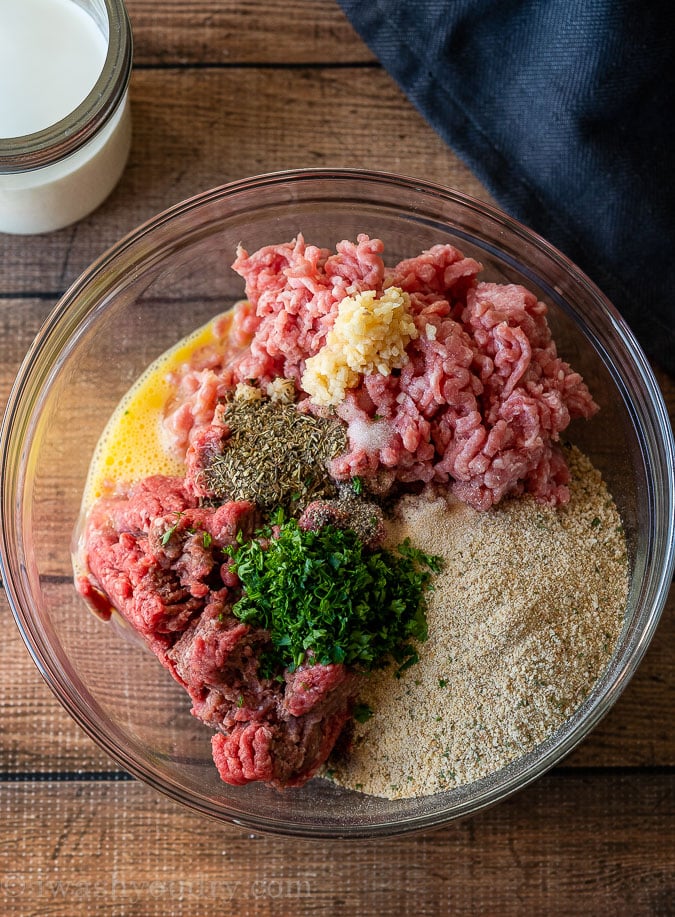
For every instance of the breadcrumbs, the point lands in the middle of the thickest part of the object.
(369, 335)
(523, 620)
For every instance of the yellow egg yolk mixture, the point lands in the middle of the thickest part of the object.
(131, 446)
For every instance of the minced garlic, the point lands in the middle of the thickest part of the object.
(244, 392)
(281, 390)
(369, 335)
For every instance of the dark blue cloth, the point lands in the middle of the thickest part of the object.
(565, 109)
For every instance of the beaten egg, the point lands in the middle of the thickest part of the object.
(131, 446)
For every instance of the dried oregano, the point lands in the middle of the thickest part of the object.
(274, 455)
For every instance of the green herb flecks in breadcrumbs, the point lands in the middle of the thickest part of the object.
(324, 598)
(274, 455)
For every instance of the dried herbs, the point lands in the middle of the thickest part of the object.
(321, 589)
(274, 455)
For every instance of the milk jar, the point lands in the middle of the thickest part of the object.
(65, 125)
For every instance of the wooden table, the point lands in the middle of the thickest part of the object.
(223, 90)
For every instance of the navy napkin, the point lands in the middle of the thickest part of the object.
(565, 110)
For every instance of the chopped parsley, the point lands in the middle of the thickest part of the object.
(325, 598)
(362, 713)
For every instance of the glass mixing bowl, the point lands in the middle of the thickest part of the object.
(164, 280)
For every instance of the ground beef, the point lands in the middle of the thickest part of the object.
(285, 754)
(156, 557)
(277, 731)
(206, 445)
(153, 555)
(205, 380)
(197, 396)
(479, 404)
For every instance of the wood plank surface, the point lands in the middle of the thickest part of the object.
(565, 846)
(196, 129)
(220, 91)
(269, 32)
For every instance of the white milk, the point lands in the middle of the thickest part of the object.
(51, 54)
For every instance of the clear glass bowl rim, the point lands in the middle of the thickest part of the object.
(84, 295)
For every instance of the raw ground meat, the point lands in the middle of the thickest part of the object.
(480, 405)
(156, 557)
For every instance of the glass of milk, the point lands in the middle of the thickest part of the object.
(65, 125)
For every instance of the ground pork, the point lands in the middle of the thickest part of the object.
(480, 403)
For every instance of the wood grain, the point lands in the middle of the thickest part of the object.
(285, 32)
(565, 846)
(224, 89)
(196, 129)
